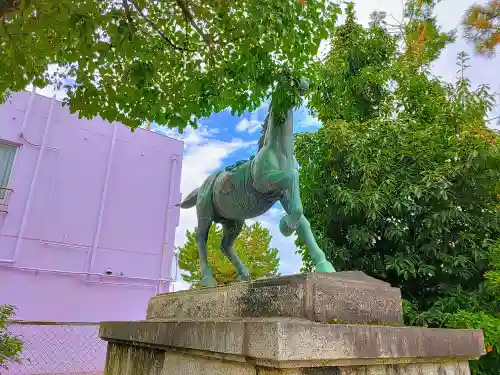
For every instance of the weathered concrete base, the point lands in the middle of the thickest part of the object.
(123, 359)
(285, 346)
(283, 326)
(283, 342)
(347, 297)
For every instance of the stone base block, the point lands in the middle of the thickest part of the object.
(344, 297)
(283, 326)
(295, 346)
(124, 359)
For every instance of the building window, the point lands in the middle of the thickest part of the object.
(7, 154)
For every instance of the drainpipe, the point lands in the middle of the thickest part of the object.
(29, 201)
(28, 110)
(166, 259)
(91, 256)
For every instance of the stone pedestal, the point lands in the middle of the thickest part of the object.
(343, 323)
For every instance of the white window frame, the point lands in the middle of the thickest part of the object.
(8, 188)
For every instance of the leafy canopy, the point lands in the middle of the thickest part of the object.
(252, 246)
(402, 181)
(357, 69)
(170, 62)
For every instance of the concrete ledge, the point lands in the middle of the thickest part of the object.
(347, 297)
(284, 342)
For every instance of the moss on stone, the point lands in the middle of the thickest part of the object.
(339, 321)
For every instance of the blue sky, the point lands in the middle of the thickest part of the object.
(223, 139)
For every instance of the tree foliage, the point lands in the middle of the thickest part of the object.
(482, 26)
(252, 246)
(10, 345)
(170, 62)
(406, 186)
(358, 73)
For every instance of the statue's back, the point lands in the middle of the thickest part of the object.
(236, 198)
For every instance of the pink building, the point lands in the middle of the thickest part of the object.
(87, 213)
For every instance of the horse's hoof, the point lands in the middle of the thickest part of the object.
(324, 266)
(285, 228)
(208, 282)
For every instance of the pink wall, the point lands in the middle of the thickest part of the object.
(87, 196)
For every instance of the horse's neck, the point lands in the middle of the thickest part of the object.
(280, 135)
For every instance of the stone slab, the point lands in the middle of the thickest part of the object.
(344, 297)
(285, 342)
(446, 368)
(125, 359)
(136, 360)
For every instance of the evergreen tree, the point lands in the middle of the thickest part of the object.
(252, 246)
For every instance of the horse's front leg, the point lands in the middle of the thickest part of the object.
(288, 180)
(304, 231)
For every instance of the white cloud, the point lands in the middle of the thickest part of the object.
(190, 136)
(249, 126)
(310, 122)
(50, 91)
(257, 117)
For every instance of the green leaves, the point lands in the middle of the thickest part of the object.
(358, 69)
(163, 61)
(252, 246)
(403, 185)
(481, 26)
(10, 345)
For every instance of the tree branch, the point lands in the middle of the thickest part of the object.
(189, 17)
(158, 30)
(131, 23)
(3, 28)
(9, 6)
(218, 39)
(127, 12)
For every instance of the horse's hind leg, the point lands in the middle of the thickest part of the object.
(230, 231)
(207, 278)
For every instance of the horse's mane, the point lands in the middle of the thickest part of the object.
(263, 131)
(232, 167)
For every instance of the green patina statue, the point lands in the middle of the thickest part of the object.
(250, 188)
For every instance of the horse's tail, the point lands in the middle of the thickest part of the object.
(190, 200)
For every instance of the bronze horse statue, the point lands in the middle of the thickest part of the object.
(250, 188)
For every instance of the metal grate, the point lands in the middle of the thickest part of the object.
(52, 348)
